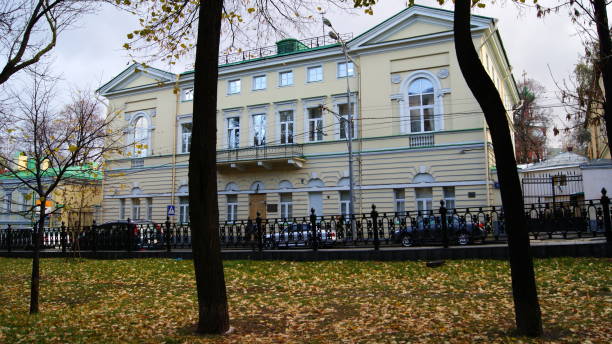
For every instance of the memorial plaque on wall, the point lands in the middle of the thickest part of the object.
(272, 208)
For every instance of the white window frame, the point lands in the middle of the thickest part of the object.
(257, 87)
(265, 128)
(340, 101)
(136, 210)
(291, 78)
(25, 205)
(286, 207)
(438, 104)
(344, 205)
(309, 120)
(283, 125)
(230, 132)
(318, 73)
(448, 199)
(8, 201)
(144, 151)
(232, 207)
(187, 94)
(231, 86)
(183, 209)
(339, 67)
(399, 203)
(149, 208)
(185, 139)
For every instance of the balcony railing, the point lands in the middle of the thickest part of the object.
(305, 44)
(425, 140)
(264, 152)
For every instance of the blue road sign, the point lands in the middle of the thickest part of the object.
(170, 211)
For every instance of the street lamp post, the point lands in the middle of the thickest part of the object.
(349, 124)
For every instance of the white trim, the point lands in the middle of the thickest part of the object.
(438, 107)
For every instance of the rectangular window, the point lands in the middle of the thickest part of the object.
(315, 124)
(259, 82)
(233, 132)
(183, 209)
(8, 195)
(286, 205)
(285, 78)
(314, 74)
(449, 197)
(122, 209)
(135, 209)
(345, 201)
(186, 137)
(286, 126)
(400, 200)
(149, 208)
(343, 111)
(424, 199)
(259, 129)
(232, 207)
(187, 94)
(233, 86)
(343, 71)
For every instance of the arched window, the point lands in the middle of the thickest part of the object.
(141, 138)
(421, 105)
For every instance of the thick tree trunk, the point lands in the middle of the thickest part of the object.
(605, 62)
(35, 280)
(526, 305)
(203, 210)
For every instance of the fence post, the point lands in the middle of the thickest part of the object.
(130, 233)
(605, 204)
(374, 215)
(9, 238)
(313, 227)
(63, 237)
(167, 234)
(94, 234)
(259, 232)
(443, 220)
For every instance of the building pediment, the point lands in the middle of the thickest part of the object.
(414, 23)
(134, 77)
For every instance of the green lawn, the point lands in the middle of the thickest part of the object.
(153, 301)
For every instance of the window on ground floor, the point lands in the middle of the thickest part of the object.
(183, 209)
(449, 198)
(424, 199)
(400, 200)
(345, 203)
(232, 207)
(286, 205)
(135, 209)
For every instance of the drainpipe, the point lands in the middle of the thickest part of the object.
(174, 143)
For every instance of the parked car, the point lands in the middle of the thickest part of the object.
(298, 235)
(428, 230)
(116, 235)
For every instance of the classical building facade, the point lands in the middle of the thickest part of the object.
(419, 134)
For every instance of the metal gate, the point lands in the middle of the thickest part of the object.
(553, 188)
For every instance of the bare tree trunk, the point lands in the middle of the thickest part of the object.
(203, 207)
(605, 62)
(35, 281)
(526, 304)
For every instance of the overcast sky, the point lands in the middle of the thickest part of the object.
(91, 54)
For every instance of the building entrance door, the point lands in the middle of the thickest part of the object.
(257, 204)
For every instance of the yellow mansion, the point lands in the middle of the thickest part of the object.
(419, 135)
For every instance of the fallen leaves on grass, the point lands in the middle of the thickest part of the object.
(153, 301)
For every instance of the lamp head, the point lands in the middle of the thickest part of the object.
(333, 35)
(327, 22)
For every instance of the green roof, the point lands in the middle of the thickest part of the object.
(73, 172)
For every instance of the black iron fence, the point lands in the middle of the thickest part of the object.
(461, 226)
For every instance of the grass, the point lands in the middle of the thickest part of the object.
(153, 301)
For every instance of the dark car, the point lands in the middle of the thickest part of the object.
(120, 235)
(428, 230)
